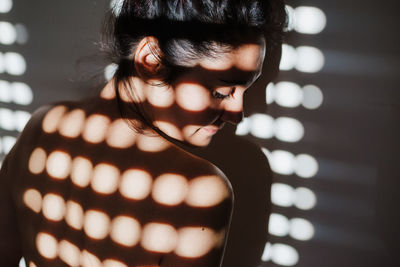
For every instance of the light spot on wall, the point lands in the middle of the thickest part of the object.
(206, 191)
(159, 237)
(46, 245)
(306, 166)
(262, 126)
(301, 229)
(170, 189)
(288, 94)
(278, 225)
(105, 178)
(125, 231)
(282, 162)
(135, 184)
(8, 34)
(21, 93)
(309, 20)
(309, 59)
(37, 161)
(282, 195)
(14, 63)
(288, 129)
(7, 119)
(305, 199)
(289, 57)
(5, 6)
(33, 200)
(284, 255)
(109, 72)
(58, 164)
(53, 207)
(312, 97)
(96, 224)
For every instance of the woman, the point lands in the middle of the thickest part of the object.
(108, 181)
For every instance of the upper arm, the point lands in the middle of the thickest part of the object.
(10, 245)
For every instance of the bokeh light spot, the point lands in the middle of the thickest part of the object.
(282, 195)
(305, 199)
(195, 242)
(309, 20)
(151, 143)
(46, 245)
(309, 59)
(120, 135)
(278, 225)
(306, 166)
(74, 215)
(288, 129)
(72, 123)
(95, 128)
(207, 191)
(69, 253)
(53, 207)
(96, 224)
(192, 97)
(160, 96)
(135, 184)
(125, 231)
(284, 255)
(301, 229)
(159, 237)
(81, 171)
(262, 126)
(33, 200)
(52, 119)
(58, 164)
(288, 94)
(105, 178)
(14, 63)
(5, 6)
(289, 57)
(170, 189)
(21, 93)
(89, 260)
(8, 34)
(282, 162)
(37, 161)
(113, 263)
(312, 97)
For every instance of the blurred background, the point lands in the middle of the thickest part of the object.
(329, 123)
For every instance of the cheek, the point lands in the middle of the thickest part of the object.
(192, 97)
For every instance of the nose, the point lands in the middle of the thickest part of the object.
(233, 110)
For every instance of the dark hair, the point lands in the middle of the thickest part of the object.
(187, 30)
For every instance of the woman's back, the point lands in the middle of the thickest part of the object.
(89, 190)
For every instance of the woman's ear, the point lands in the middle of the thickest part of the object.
(148, 58)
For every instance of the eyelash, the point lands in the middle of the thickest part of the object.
(218, 95)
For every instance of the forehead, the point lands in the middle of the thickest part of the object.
(246, 57)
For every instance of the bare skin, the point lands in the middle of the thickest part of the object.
(82, 188)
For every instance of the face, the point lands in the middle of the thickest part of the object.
(207, 95)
